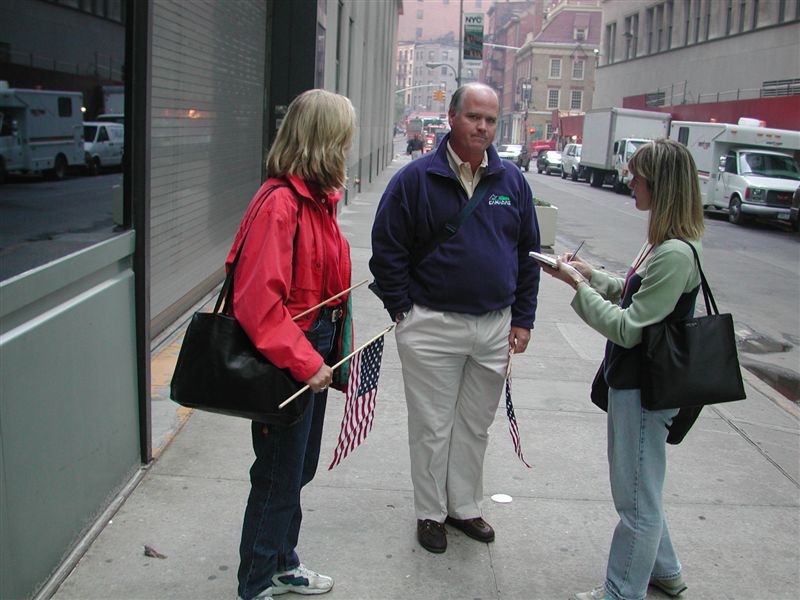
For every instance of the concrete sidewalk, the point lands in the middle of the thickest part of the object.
(732, 491)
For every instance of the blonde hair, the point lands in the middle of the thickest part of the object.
(314, 139)
(669, 171)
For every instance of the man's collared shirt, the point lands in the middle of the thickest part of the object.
(463, 169)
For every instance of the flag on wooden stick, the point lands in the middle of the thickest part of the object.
(513, 427)
(359, 408)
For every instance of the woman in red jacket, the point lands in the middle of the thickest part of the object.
(294, 257)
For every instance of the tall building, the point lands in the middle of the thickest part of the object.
(541, 61)
(426, 20)
(428, 34)
(682, 52)
(556, 71)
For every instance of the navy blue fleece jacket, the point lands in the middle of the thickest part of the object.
(485, 266)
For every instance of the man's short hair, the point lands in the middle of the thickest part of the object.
(457, 99)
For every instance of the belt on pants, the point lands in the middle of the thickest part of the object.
(330, 313)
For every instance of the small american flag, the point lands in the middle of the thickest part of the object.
(513, 428)
(359, 407)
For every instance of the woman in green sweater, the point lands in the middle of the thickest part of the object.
(662, 282)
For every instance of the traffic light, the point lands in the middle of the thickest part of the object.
(532, 130)
(438, 95)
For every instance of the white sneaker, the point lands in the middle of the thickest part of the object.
(265, 595)
(300, 580)
(598, 593)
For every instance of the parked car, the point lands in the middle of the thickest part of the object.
(103, 143)
(794, 210)
(524, 158)
(509, 151)
(549, 162)
(571, 162)
(111, 118)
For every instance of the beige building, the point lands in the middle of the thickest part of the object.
(691, 51)
(555, 71)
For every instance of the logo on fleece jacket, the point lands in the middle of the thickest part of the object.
(495, 200)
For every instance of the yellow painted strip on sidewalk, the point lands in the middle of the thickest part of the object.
(162, 366)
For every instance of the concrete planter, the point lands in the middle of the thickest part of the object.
(547, 217)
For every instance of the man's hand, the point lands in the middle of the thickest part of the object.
(518, 339)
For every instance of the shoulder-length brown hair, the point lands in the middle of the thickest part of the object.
(676, 209)
(313, 140)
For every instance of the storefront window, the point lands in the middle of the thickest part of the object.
(62, 131)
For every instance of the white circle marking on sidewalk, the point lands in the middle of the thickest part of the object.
(502, 498)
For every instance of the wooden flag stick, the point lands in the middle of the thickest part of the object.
(338, 364)
(510, 356)
(324, 302)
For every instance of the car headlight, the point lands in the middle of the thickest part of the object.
(756, 195)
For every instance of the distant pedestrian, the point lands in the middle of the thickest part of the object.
(458, 309)
(415, 146)
(663, 282)
(294, 257)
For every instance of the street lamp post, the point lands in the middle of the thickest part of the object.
(431, 65)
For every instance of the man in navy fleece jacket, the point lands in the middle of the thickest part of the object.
(459, 309)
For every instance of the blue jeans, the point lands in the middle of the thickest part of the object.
(286, 460)
(641, 546)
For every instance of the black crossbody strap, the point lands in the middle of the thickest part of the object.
(451, 226)
(226, 293)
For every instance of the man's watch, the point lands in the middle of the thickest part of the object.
(400, 316)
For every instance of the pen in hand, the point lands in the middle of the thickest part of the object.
(574, 254)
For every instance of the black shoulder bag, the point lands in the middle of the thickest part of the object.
(693, 361)
(446, 232)
(220, 370)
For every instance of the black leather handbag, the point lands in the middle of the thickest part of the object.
(693, 361)
(220, 370)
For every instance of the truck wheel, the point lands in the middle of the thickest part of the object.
(93, 165)
(59, 170)
(574, 175)
(2, 171)
(735, 214)
(596, 179)
(563, 174)
(618, 186)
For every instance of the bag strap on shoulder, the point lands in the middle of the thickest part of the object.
(226, 293)
(451, 226)
(708, 297)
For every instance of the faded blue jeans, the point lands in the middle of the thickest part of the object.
(637, 459)
(286, 460)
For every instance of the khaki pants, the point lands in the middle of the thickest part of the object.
(453, 370)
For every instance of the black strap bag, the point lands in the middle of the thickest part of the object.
(693, 361)
(220, 370)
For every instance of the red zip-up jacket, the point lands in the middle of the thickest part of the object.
(281, 271)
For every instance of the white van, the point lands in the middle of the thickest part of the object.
(743, 170)
(103, 145)
(571, 162)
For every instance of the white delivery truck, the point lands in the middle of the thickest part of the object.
(40, 131)
(611, 136)
(745, 170)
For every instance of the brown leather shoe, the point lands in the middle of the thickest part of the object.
(476, 528)
(431, 535)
